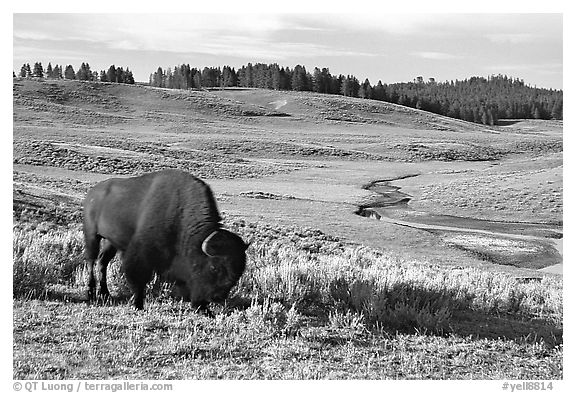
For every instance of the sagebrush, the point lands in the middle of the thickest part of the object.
(340, 284)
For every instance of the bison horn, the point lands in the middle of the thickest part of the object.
(222, 242)
(206, 244)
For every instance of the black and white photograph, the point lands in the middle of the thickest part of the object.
(255, 194)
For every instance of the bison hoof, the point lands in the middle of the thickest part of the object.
(104, 298)
(203, 309)
(91, 298)
(139, 305)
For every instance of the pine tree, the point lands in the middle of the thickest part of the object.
(23, 71)
(275, 77)
(227, 77)
(299, 79)
(159, 78)
(345, 87)
(198, 80)
(111, 74)
(379, 92)
(49, 71)
(248, 76)
(557, 109)
(80, 72)
(57, 72)
(169, 79)
(128, 77)
(69, 72)
(350, 86)
(120, 75)
(193, 73)
(365, 90)
(536, 113)
(317, 81)
(84, 73)
(38, 70)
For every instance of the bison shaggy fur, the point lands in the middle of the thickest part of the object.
(165, 222)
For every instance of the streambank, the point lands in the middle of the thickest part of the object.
(535, 246)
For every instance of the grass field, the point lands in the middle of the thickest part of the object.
(327, 293)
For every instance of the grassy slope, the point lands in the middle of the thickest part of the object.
(56, 340)
(305, 169)
(308, 306)
(324, 151)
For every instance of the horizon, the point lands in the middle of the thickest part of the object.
(147, 82)
(442, 46)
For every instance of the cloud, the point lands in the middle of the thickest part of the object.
(511, 38)
(435, 55)
(143, 31)
(393, 23)
(349, 39)
(263, 37)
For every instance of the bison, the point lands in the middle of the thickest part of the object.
(165, 222)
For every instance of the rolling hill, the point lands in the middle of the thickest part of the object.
(385, 242)
(310, 153)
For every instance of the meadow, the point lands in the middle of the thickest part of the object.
(326, 293)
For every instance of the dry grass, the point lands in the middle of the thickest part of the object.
(517, 195)
(309, 305)
(331, 311)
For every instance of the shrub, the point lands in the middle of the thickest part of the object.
(398, 294)
(44, 257)
(285, 283)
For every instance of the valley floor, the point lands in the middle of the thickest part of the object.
(475, 247)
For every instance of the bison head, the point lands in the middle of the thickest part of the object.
(215, 270)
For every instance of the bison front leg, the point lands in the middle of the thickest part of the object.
(202, 307)
(138, 274)
(137, 283)
(139, 293)
(137, 280)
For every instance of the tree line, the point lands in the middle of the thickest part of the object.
(84, 73)
(477, 99)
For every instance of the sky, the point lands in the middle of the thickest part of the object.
(374, 44)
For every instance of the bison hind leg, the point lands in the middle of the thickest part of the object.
(92, 246)
(106, 255)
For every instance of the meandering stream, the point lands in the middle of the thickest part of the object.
(539, 242)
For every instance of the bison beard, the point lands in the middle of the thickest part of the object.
(165, 222)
